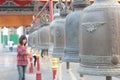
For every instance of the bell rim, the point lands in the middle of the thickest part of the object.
(113, 71)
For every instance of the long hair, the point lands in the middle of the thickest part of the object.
(22, 37)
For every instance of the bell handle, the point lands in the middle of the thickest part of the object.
(108, 77)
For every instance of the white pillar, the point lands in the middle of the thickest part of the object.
(20, 31)
(0, 41)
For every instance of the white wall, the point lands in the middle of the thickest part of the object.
(20, 31)
(5, 31)
(0, 41)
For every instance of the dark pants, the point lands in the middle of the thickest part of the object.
(11, 49)
(21, 72)
(44, 52)
(34, 60)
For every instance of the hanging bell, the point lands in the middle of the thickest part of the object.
(58, 36)
(51, 28)
(57, 30)
(44, 37)
(29, 40)
(51, 41)
(100, 39)
(36, 39)
(72, 32)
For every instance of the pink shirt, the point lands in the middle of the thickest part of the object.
(22, 56)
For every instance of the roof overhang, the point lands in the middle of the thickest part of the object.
(15, 20)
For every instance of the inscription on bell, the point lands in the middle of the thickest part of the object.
(90, 27)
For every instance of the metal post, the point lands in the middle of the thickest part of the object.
(82, 77)
(38, 74)
(108, 78)
(67, 65)
(54, 67)
(66, 4)
(54, 60)
(60, 69)
(31, 61)
(51, 10)
(40, 12)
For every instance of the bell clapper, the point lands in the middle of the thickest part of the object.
(69, 71)
(108, 77)
(60, 69)
(82, 77)
(67, 65)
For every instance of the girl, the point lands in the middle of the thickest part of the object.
(22, 57)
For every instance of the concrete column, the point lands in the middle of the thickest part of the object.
(20, 31)
(24, 32)
(0, 41)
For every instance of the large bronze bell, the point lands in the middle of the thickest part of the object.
(51, 41)
(72, 31)
(58, 36)
(100, 39)
(29, 40)
(44, 37)
(51, 28)
(57, 30)
(33, 39)
(36, 39)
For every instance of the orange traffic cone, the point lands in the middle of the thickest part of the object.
(38, 74)
(31, 65)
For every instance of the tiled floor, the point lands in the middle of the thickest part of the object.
(8, 70)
